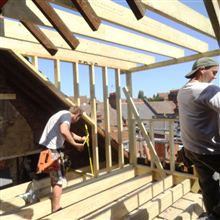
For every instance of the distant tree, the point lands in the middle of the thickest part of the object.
(155, 98)
(141, 94)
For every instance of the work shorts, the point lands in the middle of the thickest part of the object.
(55, 170)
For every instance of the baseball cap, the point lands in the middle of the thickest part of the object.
(202, 62)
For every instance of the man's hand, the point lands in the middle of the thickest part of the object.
(83, 138)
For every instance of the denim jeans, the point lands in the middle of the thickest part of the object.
(206, 166)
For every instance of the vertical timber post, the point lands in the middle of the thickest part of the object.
(119, 118)
(95, 152)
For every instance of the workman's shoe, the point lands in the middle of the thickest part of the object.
(58, 210)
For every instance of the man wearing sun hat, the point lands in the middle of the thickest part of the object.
(199, 108)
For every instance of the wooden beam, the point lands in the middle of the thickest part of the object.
(137, 8)
(12, 29)
(119, 118)
(115, 35)
(7, 96)
(87, 46)
(108, 152)
(33, 49)
(57, 74)
(214, 17)
(2, 3)
(25, 9)
(95, 149)
(211, 53)
(76, 83)
(58, 24)
(88, 13)
(181, 13)
(41, 37)
(144, 132)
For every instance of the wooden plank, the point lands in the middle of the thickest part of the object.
(117, 14)
(120, 15)
(58, 24)
(112, 12)
(41, 37)
(76, 83)
(87, 46)
(88, 13)
(144, 132)
(74, 194)
(137, 8)
(7, 96)
(108, 151)
(115, 35)
(57, 73)
(179, 12)
(119, 118)
(35, 62)
(211, 53)
(95, 202)
(120, 208)
(213, 12)
(153, 208)
(32, 49)
(95, 149)
(151, 133)
(172, 146)
(131, 124)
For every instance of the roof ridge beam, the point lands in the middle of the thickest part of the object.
(58, 24)
(88, 13)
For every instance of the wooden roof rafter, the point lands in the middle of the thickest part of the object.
(121, 15)
(58, 24)
(213, 12)
(41, 37)
(137, 8)
(174, 9)
(88, 13)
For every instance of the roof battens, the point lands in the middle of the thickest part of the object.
(85, 46)
(213, 12)
(211, 53)
(115, 13)
(88, 13)
(137, 8)
(41, 37)
(23, 47)
(179, 12)
(58, 24)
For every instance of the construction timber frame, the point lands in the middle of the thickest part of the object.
(106, 34)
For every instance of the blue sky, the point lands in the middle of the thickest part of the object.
(150, 81)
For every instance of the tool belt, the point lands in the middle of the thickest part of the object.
(55, 159)
(49, 158)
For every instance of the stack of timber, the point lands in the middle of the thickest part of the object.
(121, 194)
